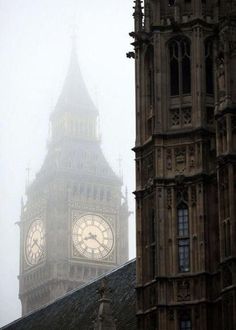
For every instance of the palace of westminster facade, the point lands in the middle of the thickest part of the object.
(74, 224)
(185, 62)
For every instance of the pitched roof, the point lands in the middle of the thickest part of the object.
(79, 309)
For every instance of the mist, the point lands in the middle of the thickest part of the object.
(35, 41)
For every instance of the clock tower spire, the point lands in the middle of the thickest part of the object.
(74, 224)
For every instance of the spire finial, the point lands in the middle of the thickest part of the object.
(105, 320)
(138, 15)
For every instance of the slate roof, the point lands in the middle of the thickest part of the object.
(79, 309)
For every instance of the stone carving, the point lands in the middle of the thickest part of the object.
(183, 290)
(169, 159)
(169, 198)
(180, 159)
(191, 156)
(159, 153)
(171, 314)
(221, 74)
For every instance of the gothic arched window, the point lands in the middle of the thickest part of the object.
(183, 238)
(149, 71)
(180, 66)
(149, 89)
(209, 67)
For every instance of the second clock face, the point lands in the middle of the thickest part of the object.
(35, 243)
(93, 236)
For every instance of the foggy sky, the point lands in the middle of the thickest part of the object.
(35, 48)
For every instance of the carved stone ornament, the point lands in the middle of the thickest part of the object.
(192, 156)
(180, 159)
(169, 198)
(171, 314)
(169, 159)
(183, 290)
(193, 195)
(158, 153)
(221, 74)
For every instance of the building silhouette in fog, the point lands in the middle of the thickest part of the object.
(74, 224)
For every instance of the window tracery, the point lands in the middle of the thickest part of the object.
(183, 237)
(180, 66)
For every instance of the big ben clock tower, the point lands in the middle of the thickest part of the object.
(74, 224)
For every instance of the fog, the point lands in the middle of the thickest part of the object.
(35, 41)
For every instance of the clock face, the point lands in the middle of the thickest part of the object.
(35, 243)
(93, 236)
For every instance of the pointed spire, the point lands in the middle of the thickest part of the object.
(74, 96)
(138, 15)
(105, 320)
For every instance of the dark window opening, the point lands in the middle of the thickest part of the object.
(153, 322)
(186, 76)
(149, 126)
(210, 115)
(174, 72)
(153, 261)
(186, 67)
(185, 325)
(149, 79)
(174, 68)
(180, 67)
(171, 3)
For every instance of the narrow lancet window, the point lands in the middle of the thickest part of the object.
(174, 68)
(180, 67)
(183, 238)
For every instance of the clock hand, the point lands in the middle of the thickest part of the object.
(36, 243)
(40, 248)
(104, 246)
(91, 236)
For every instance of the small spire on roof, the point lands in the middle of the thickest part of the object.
(138, 15)
(105, 319)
